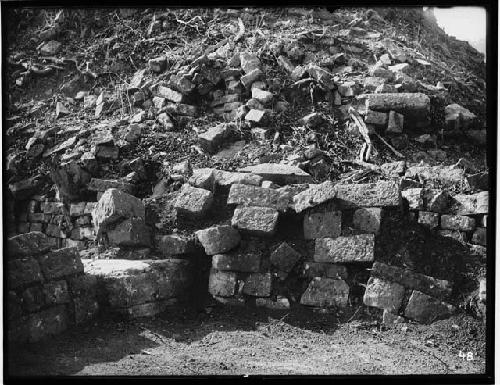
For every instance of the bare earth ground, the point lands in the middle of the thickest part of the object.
(233, 341)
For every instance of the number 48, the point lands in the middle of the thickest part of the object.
(469, 356)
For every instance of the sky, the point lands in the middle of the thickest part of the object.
(465, 23)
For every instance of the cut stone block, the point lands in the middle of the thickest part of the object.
(314, 195)
(244, 262)
(479, 236)
(368, 219)
(54, 231)
(77, 209)
(426, 309)
(416, 281)
(213, 138)
(444, 174)
(457, 222)
(376, 118)
(284, 257)
(280, 174)
(170, 94)
(251, 77)
(203, 178)
(352, 249)
(259, 221)
(227, 178)
(241, 194)
(383, 294)
(222, 283)
(428, 219)
(470, 204)
(415, 198)
(23, 272)
(27, 245)
(395, 123)
(380, 194)
(249, 62)
(218, 239)
(130, 232)
(323, 225)
(323, 292)
(61, 263)
(193, 201)
(258, 285)
(173, 244)
(329, 270)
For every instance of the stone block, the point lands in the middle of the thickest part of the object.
(81, 233)
(218, 239)
(463, 204)
(106, 184)
(314, 195)
(249, 62)
(329, 270)
(193, 201)
(278, 173)
(390, 319)
(284, 257)
(323, 292)
(395, 123)
(322, 225)
(61, 263)
(227, 178)
(203, 178)
(36, 227)
(479, 236)
(251, 77)
(170, 94)
(368, 219)
(55, 231)
(174, 244)
(130, 232)
(351, 249)
(23, 272)
(247, 195)
(237, 261)
(214, 137)
(258, 285)
(259, 221)
(414, 197)
(376, 118)
(436, 200)
(428, 219)
(257, 117)
(426, 309)
(27, 245)
(222, 283)
(457, 222)
(380, 194)
(383, 294)
(83, 286)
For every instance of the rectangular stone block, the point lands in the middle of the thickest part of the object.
(227, 178)
(428, 219)
(247, 195)
(218, 239)
(462, 204)
(278, 173)
(258, 285)
(322, 225)
(77, 209)
(281, 303)
(193, 201)
(259, 221)
(214, 137)
(314, 195)
(222, 283)
(61, 263)
(479, 236)
(284, 258)
(174, 244)
(426, 309)
(368, 219)
(323, 292)
(329, 270)
(380, 194)
(72, 243)
(244, 262)
(54, 231)
(457, 222)
(383, 294)
(23, 272)
(52, 207)
(352, 249)
(436, 287)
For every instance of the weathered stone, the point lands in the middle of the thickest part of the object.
(323, 292)
(454, 234)
(381, 72)
(89, 207)
(436, 200)
(428, 219)
(23, 271)
(368, 219)
(242, 194)
(258, 285)
(260, 221)
(127, 283)
(426, 309)
(470, 204)
(329, 270)
(455, 115)
(181, 84)
(281, 303)
(83, 286)
(479, 236)
(314, 195)
(25, 188)
(77, 209)
(203, 178)
(27, 245)
(284, 258)
(114, 206)
(130, 232)
(181, 109)
(414, 106)
(84, 309)
(170, 94)
(279, 173)
(106, 152)
(173, 244)
(249, 62)
(105, 184)
(395, 123)
(415, 198)
(389, 318)
(32, 299)
(372, 82)
(193, 201)
(227, 178)
(313, 120)
(446, 174)
(158, 64)
(401, 67)
(218, 239)
(380, 194)
(237, 261)
(47, 322)
(264, 97)
(222, 283)
(213, 138)
(386, 89)
(52, 207)
(251, 77)
(322, 225)
(61, 263)
(457, 222)
(149, 309)
(257, 117)
(383, 294)
(376, 118)
(56, 292)
(356, 248)
(50, 48)
(35, 227)
(416, 281)
(79, 233)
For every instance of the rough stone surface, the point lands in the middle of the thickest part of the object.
(281, 303)
(241, 194)
(444, 174)
(395, 123)
(173, 244)
(105, 184)
(227, 178)
(428, 219)
(314, 195)
(218, 239)
(323, 292)
(383, 294)
(457, 222)
(376, 118)
(426, 309)
(203, 178)
(23, 272)
(244, 262)
(414, 197)
(28, 245)
(61, 263)
(356, 248)
(479, 236)
(130, 232)
(259, 221)
(329, 270)
(212, 139)
(193, 201)
(416, 281)
(258, 285)
(463, 204)
(390, 319)
(323, 225)
(56, 292)
(281, 174)
(222, 283)
(436, 200)
(47, 322)
(368, 219)
(380, 194)
(285, 257)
